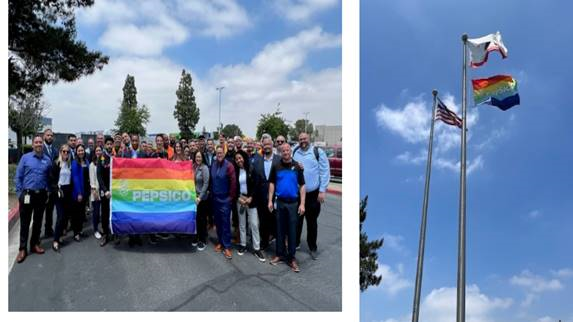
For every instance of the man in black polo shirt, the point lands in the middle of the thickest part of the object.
(286, 181)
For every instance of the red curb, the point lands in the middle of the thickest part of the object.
(334, 192)
(13, 216)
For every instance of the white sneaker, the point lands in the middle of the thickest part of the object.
(97, 235)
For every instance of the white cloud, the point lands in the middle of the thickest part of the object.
(394, 242)
(411, 122)
(147, 27)
(546, 319)
(450, 164)
(302, 10)
(393, 280)
(534, 214)
(440, 306)
(535, 283)
(563, 273)
(217, 18)
(276, 74)
(408, 157)
(147, 40)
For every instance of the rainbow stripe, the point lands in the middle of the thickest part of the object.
(500, 91)
(152, 196)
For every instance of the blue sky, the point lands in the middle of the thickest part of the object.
(263, 52)
(519, 191)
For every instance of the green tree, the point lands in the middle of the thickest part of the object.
(301, 126)
(186, 112)
(231, 130)
(25, 116)
(131, 119)
(42, 45)
(368, 254)
(273, 124)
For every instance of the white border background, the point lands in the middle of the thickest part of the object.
(350, 194)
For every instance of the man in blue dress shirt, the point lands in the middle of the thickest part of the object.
(32, 182)
(316, 177)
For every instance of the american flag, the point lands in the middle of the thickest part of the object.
(445, 115)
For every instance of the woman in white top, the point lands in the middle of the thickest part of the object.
(94, 196)
(247, 205)
(62, 181)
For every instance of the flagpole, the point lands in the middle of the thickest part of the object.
(422, 243)
(461, 291)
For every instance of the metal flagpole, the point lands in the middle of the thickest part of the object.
(461, 293)
(421, 246)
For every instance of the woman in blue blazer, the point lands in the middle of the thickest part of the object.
(81, 190)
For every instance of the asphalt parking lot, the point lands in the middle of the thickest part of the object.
(173, 276)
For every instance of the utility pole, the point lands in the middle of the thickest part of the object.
(306, 121)
(220, 89)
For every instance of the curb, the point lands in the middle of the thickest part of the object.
(13, 216)
(334, 192)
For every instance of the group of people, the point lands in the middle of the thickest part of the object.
(264, 188)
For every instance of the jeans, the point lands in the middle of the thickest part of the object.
(287, 220)
(36, 207)
(221, 209)
(312, 210)
(245, 212)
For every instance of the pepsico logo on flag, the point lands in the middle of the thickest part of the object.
(152, 196)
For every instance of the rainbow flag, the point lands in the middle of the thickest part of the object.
(500, 91)
(152, 196)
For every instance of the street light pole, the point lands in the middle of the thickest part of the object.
(220, 89)
(306, 122)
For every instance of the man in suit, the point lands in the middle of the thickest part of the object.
(51, 152)
(262, 168)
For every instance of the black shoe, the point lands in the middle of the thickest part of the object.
(201, 246)
(259, 255)
(77, 237)
(153, 239)
(56, 246)
(313, 254)
(241, 250)
(104, 241)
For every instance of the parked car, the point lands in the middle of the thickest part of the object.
(334, 154)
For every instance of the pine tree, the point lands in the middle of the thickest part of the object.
(368, 254)
(186, 111)
(131, 119)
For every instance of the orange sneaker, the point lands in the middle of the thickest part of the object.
(218, 248)
(228, 254)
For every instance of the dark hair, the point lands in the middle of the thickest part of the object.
(83, 147)
(71, 136)
(245, 159)
(94, 156)
(108, 139)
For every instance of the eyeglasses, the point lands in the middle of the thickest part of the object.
(65, 151)
(280, 141)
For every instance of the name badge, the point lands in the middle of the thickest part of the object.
(26, 199)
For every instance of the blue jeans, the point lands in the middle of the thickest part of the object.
(287, 220)
(95, 213)
(221, 210)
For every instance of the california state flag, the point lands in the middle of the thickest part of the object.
(480, 48)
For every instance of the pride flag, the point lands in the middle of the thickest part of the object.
(500, 91)
(152, 196)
